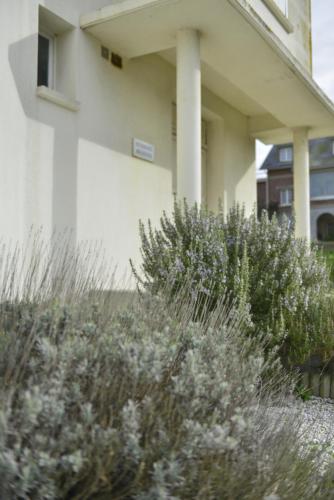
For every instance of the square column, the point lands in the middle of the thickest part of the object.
(189, 182)
(301, 183)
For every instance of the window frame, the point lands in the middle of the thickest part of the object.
(51, 56)
(284, 10)
(288, 197)
(323, 196)
(282, 16)
(289, 158)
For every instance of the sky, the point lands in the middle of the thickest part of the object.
(323, 55)
(323, 44)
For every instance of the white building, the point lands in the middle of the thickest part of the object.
(90, 91)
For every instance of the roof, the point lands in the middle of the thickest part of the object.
(321, 155)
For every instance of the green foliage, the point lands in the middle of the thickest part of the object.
(329, 257)
(256, 262)
(303, 392)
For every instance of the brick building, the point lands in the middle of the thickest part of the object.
(276, 193)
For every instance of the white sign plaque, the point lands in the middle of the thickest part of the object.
(143, 150)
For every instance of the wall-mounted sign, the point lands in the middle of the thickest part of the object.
(143, 150)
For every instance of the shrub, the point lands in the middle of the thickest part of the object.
(257, 262)
(149, 406)
(139, 402)
(329, 256)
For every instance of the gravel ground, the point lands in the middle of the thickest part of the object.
(317, 427)
(318, 414)
(313, 422)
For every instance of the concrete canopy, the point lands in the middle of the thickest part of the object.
(242, 61)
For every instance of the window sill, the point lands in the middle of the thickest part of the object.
(281, 18)
(285, 205)
(328, 197)
(57, 98)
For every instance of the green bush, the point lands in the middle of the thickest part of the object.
(256, 262)
(329, 257)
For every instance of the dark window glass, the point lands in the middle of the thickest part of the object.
(322, 184)
(43, 61)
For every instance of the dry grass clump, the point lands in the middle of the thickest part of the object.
(100, 401)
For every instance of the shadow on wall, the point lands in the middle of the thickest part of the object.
(65, 143)
(147, 85)
(112, 127)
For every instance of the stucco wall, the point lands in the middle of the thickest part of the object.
(61, 168)
(231, 169)
(299, 14)
(115, 190)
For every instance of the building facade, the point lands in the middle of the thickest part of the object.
(110, 107)
(275, 193)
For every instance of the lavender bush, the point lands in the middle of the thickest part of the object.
(258, 263)
(100, 401)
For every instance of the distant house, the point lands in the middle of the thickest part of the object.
(276, 192)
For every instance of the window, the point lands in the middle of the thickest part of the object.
(332, 148)
(45, 60)
(322, 184)
(279, 9)
(283, 5)
(285, 155)
(285, 197)
(56, 58)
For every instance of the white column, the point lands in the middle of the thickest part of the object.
(189, 184)
(301, 183)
